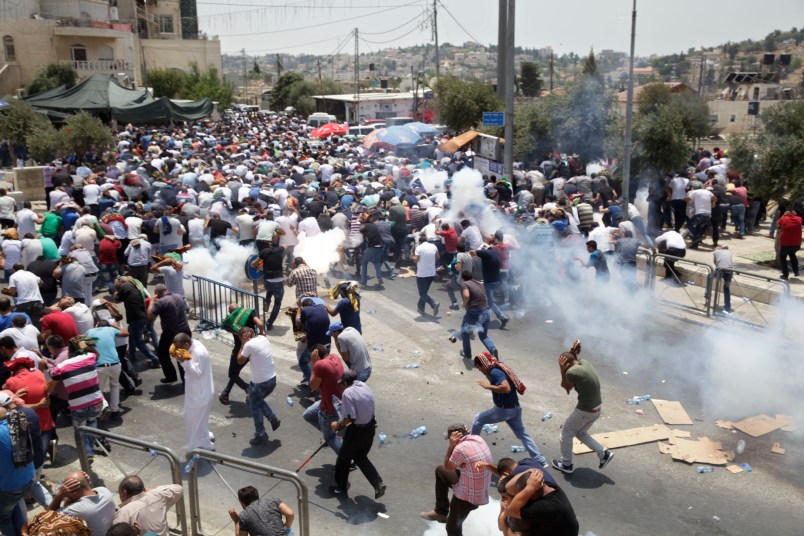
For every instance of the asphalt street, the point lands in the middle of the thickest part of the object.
(640, 492)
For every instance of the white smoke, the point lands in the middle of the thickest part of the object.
(469, 198)
(320, 251)
(433, 181)
(227, 265)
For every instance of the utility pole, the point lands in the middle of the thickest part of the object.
(435, 37)
(508, 152)
(278, 67)
(551, 70)
(502, 26)
(629, 117)
(245, 78)
(321, 83)
(701, 76)
(357, 76)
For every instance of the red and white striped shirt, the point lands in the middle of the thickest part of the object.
(80, 378)
(473, 486)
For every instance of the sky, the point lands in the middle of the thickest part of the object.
(324, 26)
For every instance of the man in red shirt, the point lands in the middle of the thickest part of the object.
(57, 322)
(789, 242)
(326, 376)
(107, 259)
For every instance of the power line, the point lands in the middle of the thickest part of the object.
(274, 49)
(417, 17)
(300, 4)
(475, 39)
(391, 40)
(322, 24)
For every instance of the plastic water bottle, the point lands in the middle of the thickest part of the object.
(706, 469)
(420, 431)
(547, 416)
(382, 438)
(740, 447)
(645, 398)
(153, 453)
(489, 428)
(288, 531)
(517, 448)
(411, 366)
(377, 347)
(189, 466)
(290, 402)
(633, 401)
(337, 403)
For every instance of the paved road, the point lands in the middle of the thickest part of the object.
(640, 492)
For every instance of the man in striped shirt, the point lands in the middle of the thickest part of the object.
(80, 377)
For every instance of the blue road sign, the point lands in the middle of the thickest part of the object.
(493, 119)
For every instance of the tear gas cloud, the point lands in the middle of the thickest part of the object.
(481, 522)
(227, 265)
(468, 198)
(320, 251)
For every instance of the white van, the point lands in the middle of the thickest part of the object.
(362, 130)
(319, 119)
(395, 121)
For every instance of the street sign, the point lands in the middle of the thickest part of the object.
(493, 119)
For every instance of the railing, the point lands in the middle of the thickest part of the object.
(154, 449)
(101, 65)
(211, 300)
(754, 295)
(645, 261)
(248, 466)
(689, 289)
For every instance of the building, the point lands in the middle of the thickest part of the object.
(119, 37)
(622, 97)
(379, 105)
(744, 93)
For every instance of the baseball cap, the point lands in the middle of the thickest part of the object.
(5, 399)
(335, 326)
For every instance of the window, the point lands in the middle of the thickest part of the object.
(8, 45)
(733, 118)
(79, 53)
(166, 24)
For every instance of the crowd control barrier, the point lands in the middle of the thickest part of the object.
(154, 449)
(688, 287)
(754, 298)
(195, 455)
(211, 299)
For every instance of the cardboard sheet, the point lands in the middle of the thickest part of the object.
(726, 425)
(734, 469)
(787, 422)
(777, 449)
(703, 450)
(759, 425)
(626, 438)
(671, 412)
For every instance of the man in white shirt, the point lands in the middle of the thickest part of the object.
(134, 227)
(702, 201)
(425, 256)
(199, 391)
(7, 208)
(287, 223)
(470, 235)
(25, 335)
(24, 286)
(671, 243)
(86, 236)
(245, 227)
(678, 194)
(170, 232)
(256, 351)
(27, 220)
(80, 312)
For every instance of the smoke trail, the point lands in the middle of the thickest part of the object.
(468, 198)
(320, 251)
(481, 522)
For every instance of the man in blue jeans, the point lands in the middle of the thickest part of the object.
(490, 264)
(477, 315)
(270, 262)
(326, 377)
(256, 351)
(505, 387)
(315, 319)
(16, 483)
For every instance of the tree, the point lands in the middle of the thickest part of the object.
(46, 143)
(256, 68)
(773, 160)
(461, 104)
(51, 76)
(660, 142)
(530, 79)
(167, 82)
(651, 97)
(84, 133)
(769, 44)
(692, 111)
(590, 65)
(281, 91)
(18, 121)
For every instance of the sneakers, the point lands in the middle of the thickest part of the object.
(463, 355)
(495, 353)
(454, 307)
(435, 308)
(433, 516)
(137, 381)
(275, 424)
(379, 491)
(258, 440)
(504, 322)
(224, 399)
(304, 383)
(607, 456)
(566, 469)
(116, 416)
(338, 492)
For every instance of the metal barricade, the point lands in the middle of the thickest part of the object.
(138, 444)
(647, 263)
(753, 303)
(241, 464)
(211, 300)
(689, 288)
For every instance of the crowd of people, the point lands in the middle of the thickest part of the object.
(117, 228)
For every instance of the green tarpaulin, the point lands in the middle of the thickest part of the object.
(164, 110)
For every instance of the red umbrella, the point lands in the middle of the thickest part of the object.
(325, 131)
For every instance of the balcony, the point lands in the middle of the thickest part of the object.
(86, 68)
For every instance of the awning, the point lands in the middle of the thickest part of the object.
(163, 110)
(452, 145)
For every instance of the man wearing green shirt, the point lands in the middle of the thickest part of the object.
(52, 226)
(50, 250)
(581, 376)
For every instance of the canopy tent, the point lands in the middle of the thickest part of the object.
(101, 94)
(164, 110)
(98, 94)
(452, 145)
